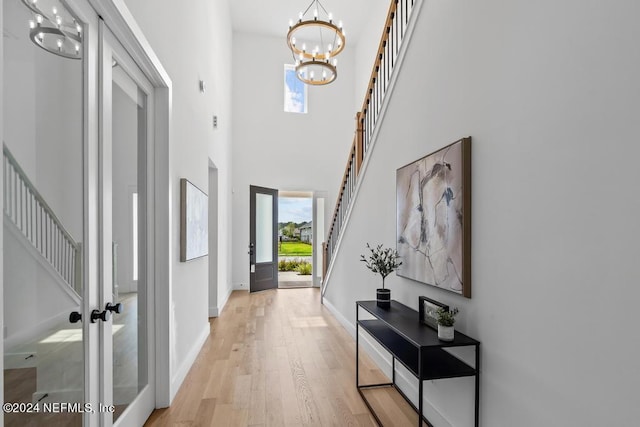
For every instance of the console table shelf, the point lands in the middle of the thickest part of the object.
(416, 346)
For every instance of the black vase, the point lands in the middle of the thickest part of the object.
(383, 297)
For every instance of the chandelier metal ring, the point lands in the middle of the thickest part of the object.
(297, 51)
(309, 78)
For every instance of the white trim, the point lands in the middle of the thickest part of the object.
(183, 370)
(417, 7)
(223, 302)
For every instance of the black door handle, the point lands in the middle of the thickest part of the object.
(75, 317)
(100, 315)
(114, 308)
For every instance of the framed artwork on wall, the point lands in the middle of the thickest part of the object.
(433, 218)
(427, 309)
(194, 222)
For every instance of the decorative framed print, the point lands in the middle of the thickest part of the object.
(433, 222)
(427, 309)
(194, 222)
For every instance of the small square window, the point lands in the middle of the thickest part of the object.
(295, 92)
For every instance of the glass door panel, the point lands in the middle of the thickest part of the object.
(129, 124)
(44, 216)
(127, 117)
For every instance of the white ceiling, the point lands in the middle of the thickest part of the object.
(272, 17)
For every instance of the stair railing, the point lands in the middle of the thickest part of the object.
(25, 207)
(387, 57)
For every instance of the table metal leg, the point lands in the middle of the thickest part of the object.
(477, 409)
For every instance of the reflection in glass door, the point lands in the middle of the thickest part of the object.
(125, 231)
(43, 207)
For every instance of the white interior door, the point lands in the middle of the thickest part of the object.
(50, 219)
(76, 237)
(126, 148)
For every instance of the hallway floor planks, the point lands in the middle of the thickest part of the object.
(279, 358)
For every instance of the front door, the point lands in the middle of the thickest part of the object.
(263, 239)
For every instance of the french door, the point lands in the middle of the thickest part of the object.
(78, 144)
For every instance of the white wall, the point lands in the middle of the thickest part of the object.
(285, 151)
(193, 43)
(549, 93)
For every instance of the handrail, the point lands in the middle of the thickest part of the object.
(387, 55)
(31, 214)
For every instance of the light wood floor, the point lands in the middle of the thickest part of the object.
(279, 358)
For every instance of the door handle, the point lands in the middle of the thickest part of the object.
(114, 308)
(100, 315)
(75, 317)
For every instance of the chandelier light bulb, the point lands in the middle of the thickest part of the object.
(32, 23)
(304, 47)
(324, 75)
(301, 56)
(329, 47)
(77, 48)
(293, 41)
(54, 10)
(59, 43)
(311, 74)
(58, 20)
(39, 19)
(78, 28)
(300, 16)
(330, 17)
(315, 13)
(290, 23)
(335, 62)
(41, 37)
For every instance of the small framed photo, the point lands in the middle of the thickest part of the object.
(427, 309)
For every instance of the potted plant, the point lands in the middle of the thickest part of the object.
(446, 319)
(382, 261)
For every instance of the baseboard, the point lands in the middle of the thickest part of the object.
(404, 381)
(182, 372)
(215, 311)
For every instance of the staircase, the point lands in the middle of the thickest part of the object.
(27, 211)
(395, 36)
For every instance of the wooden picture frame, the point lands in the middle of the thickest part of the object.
(433, 218)
(427, 311)
(194, 222)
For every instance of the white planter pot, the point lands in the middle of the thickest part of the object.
(446, 333)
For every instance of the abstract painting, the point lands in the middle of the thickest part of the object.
(194, 222)
(433, 223)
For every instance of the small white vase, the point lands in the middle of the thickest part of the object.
(446, 333)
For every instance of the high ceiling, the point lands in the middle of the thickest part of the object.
(272, 17)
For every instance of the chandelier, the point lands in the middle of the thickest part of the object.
(315, 41)
(54, 29)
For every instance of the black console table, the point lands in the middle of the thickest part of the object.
(417, 347)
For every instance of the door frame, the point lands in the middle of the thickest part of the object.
(123, 26)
